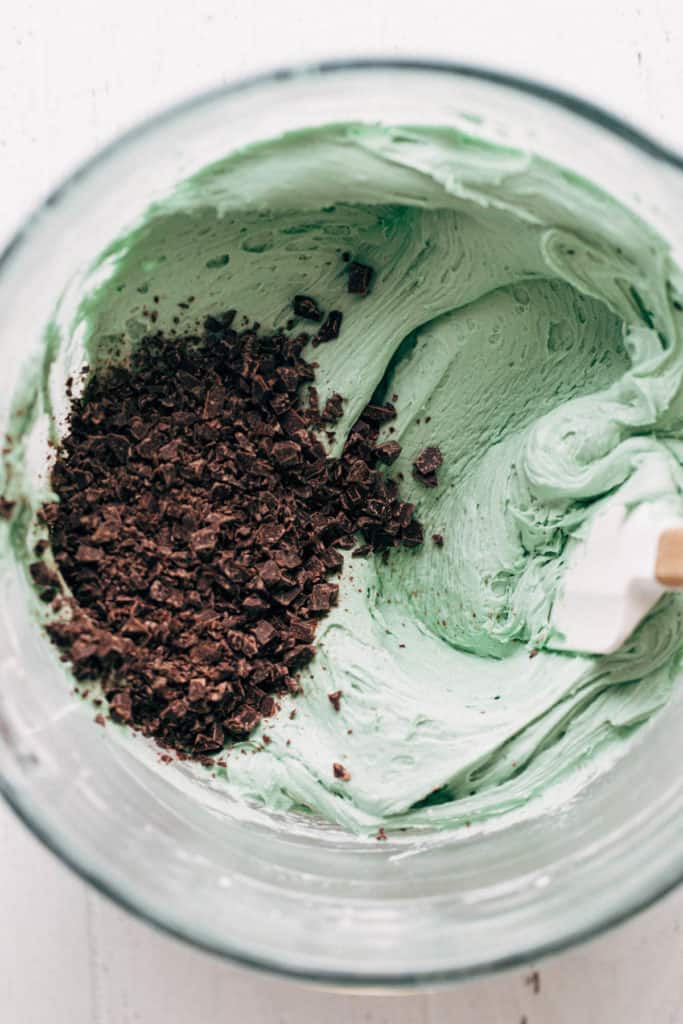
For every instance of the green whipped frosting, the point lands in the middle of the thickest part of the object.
(528, 325)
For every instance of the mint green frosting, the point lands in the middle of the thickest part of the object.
(528, 324)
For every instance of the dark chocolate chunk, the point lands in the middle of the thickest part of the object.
(360, 277)
(333, 409)
(379, 413)
(43, 575)
(428, 461)
(330, 328)
(287, 453)
(323, 597)
(212, 325)
(264, 632)
(121, 706)
(388, 452)
(426, 465)
(361, 551)
(306, 307)
(46, 579)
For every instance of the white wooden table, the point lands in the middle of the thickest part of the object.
(74, 73)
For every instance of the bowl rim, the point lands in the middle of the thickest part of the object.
(564, 99)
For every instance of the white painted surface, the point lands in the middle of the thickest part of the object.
(74, 73)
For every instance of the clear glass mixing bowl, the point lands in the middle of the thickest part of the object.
(297, 896)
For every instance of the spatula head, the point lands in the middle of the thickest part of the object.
(610, 583)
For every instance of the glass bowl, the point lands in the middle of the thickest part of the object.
(281, 892)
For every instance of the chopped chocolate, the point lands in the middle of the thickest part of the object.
(360, 277)
(307, 308)
(121, 706)
(323, 597)
(333, 409)
(340, 772)
(264, 632)
(426, 465)
(428, 461)
(6, 508)
(330, 328)
(43, 575)
(361, 551)
(199, 522)
(438, 539)
(379, 413)
(335, 699)
(287, 453)
(388, 452)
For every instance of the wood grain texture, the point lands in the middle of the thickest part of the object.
(669, 564)
(72, 75)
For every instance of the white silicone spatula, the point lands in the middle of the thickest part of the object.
(614, 577)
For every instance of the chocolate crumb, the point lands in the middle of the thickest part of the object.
(381, 835)
(340, 772)
(438, 539)
(533, 652)
(6, 508)
(534, 981)
(100, 719)
(335, 699)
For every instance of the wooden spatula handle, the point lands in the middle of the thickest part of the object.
(669, 564)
